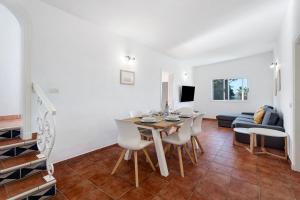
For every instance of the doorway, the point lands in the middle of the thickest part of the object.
(10, 68)
(167, 80)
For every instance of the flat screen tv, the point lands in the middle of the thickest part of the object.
(187, 93)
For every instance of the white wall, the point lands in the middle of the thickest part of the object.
(260, 82)
(284, 53)
(83, 62)
(297, 108)
(10, 64)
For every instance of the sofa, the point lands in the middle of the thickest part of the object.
(271, 120)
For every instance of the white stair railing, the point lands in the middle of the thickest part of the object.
(46, 127)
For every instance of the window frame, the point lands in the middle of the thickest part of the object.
(228, 100)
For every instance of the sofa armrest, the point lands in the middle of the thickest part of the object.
(251, 125)
(247, 113)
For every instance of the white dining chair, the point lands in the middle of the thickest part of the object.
(196, 131)
(147, 133)
(185, 110)
(130, 139)
(180, 139)
(134, 113)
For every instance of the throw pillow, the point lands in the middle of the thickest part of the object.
(259, 115)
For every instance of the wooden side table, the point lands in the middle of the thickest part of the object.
(246, 131)
(271, 133)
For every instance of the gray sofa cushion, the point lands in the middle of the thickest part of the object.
(245, 116)
(239, 119)
(248, 113)
(268, 107)
(226, 117)
(270, 118)
(280, 122)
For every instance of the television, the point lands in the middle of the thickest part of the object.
(187, 93)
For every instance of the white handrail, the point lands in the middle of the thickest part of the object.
(46, 132)
(40, 93)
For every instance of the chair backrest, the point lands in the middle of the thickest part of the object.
(185, 130)
(185, 110)
(135, 113)
(128, 133)
(197, 124)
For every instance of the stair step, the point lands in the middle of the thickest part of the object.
(16, 142)
(10, 124)
(14, 163)
(9, 133)
(16, 146)
(26, 187)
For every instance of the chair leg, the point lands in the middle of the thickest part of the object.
(194, 149)
(199, 144)
(149, 160)
(119, 161)
(262, 143)
(167, 148)
(286, 148)
(188, 153)
(170, 150)
(180, 160)
(136, 169)
(252, 143)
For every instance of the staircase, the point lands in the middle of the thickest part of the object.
(25, 170)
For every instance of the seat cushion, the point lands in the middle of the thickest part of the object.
(141, 145)
(145, 132)
(173, 139)
(240, 119)
(242, 123)
(246, 116)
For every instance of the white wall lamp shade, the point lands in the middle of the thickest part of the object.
(274, 64)
(129, 60)
(185, 76)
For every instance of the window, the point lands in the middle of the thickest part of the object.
(230, 89)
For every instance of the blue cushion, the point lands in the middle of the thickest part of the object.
(266, 107)
(270, 118)
(280, 122)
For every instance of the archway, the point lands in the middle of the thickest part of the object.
(26, 82)
(10, 66)
(297, 104)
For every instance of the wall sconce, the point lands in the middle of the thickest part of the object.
(274, 64)
(185, 75)
(129, 60)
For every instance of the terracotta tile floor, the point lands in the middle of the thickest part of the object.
(223, 172)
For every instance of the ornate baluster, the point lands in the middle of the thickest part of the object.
(46, 129)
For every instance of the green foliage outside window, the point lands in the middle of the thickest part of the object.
(230, 89)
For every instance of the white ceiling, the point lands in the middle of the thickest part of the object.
(196, 31)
